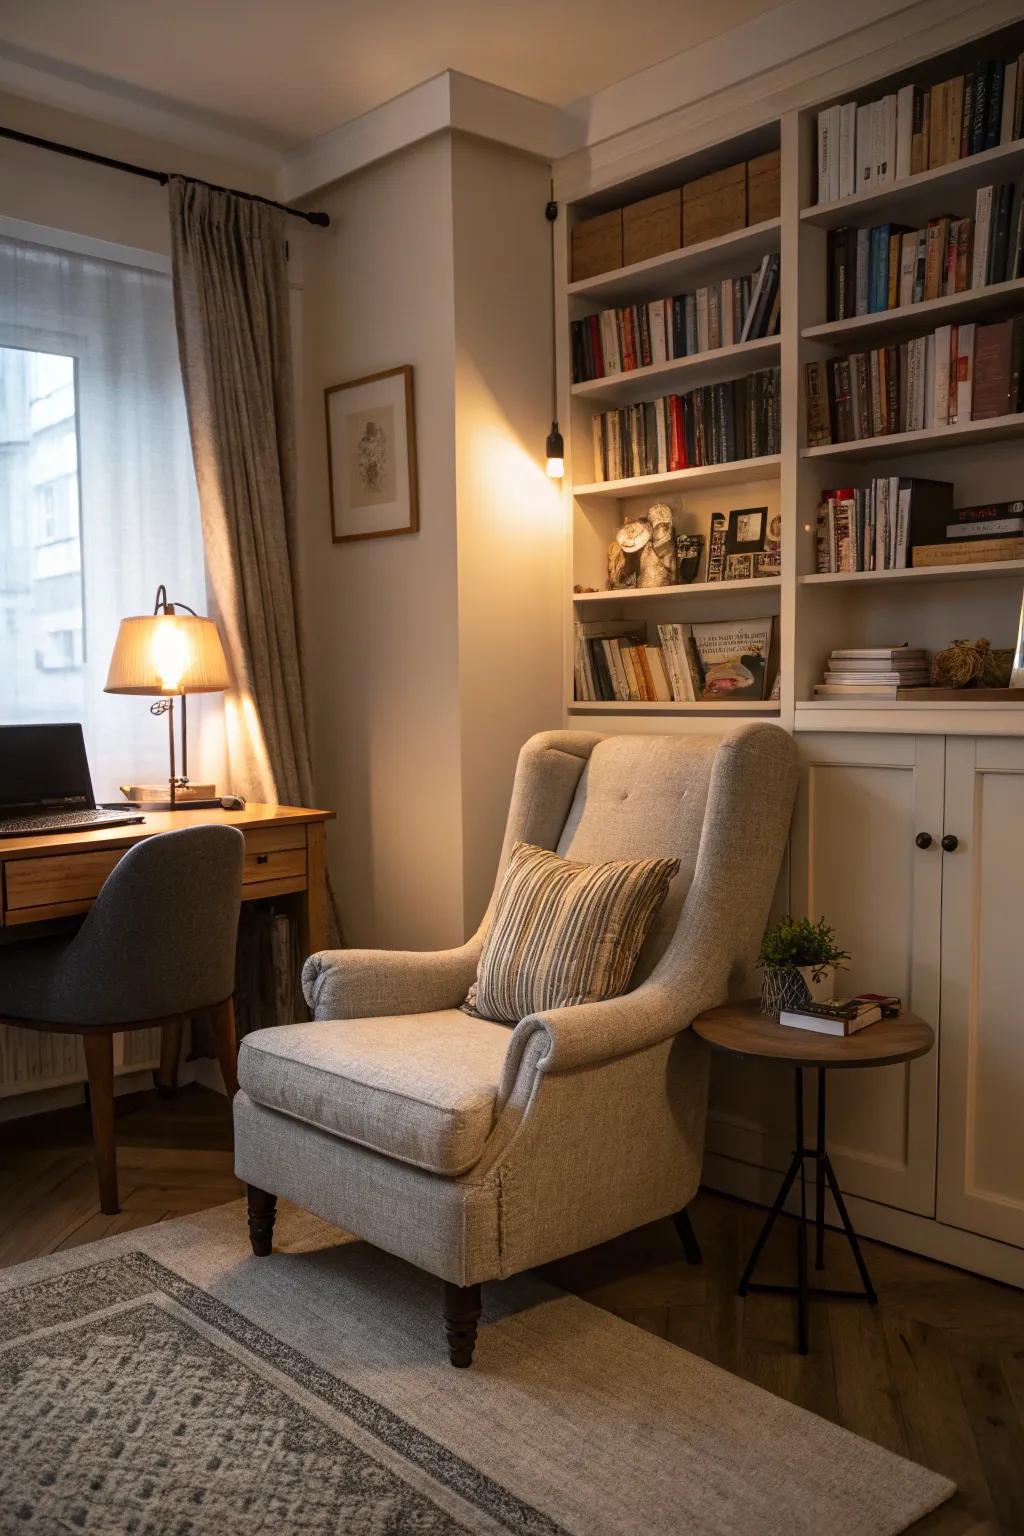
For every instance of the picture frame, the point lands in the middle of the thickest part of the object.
(748, 527)
(371, 456)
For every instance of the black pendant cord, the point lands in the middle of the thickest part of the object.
(554, 448)
(551, 214)
(322, 220)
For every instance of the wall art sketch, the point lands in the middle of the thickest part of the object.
(371, 456)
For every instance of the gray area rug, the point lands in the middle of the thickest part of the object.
(166, 1382)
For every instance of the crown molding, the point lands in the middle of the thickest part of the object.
(451, 102)
(718, 108)
(135, 111)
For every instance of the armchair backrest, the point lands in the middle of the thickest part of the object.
(720, 804)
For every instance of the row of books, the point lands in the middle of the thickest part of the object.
(693, 663)
(918, 129)
(954, 375)
(738, 419)
(870, 270)
(734, 310)
(876, 527)
(876, 672)
(897, 522)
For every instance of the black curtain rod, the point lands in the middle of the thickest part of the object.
(163, 177)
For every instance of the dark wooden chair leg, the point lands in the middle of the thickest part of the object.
(687, 1236)
(462, 1310)
(170, 1055)
(225, 1039)
(99, 1066)
(262, 1211)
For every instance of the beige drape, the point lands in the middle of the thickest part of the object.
(231, 307)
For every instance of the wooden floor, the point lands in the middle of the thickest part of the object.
(935, 1372)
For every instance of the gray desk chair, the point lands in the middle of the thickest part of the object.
(158, 944)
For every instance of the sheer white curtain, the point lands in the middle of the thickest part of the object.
(98, 500)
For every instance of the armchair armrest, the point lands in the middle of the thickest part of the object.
(591, 1032)
(372, 983)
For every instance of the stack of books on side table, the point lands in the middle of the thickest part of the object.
(844, 1016)
(874, 672)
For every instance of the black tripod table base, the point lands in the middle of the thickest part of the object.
(824, 1178)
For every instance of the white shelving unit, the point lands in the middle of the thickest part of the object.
(931, 606)
(930, 1162)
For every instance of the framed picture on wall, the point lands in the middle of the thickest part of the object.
(371, 456)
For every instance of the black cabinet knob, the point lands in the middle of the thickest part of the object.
(262, 858)
(923, 839)
(950, 843)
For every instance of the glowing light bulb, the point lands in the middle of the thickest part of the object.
(170, 654)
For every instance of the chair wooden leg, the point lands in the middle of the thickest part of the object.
(262, 1212)
(225, 1039)
(462, 1310)
(170, 1055)
(99, 1065)
(687, 1236)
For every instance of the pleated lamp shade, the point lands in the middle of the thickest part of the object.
(167, 653)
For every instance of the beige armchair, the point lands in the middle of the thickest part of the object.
(476, 1150)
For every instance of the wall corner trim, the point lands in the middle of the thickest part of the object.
(450, 101)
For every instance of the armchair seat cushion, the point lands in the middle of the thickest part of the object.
(420, 1088)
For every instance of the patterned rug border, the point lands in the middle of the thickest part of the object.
(91, 1288)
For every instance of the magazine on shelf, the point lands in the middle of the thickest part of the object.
(733, 658)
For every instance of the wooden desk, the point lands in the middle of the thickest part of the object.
(60, 874)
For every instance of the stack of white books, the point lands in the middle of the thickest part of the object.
(875, 672)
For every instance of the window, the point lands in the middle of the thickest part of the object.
(98, 500)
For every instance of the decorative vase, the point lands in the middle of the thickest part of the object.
(793, 986)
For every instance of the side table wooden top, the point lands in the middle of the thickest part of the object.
(743, 1029)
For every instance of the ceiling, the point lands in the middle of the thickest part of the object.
(284, 71)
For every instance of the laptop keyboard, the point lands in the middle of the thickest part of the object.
(64, 821)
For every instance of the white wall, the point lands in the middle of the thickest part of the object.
(510, 544)
(380, 614)
(433, 656)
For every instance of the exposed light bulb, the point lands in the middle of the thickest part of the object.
(554, 449)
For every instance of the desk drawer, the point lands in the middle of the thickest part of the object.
(70, 881)
(274, 853)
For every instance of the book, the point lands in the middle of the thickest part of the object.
(733, 658)
(865, 147)
(969, 551)
(846, 1016)
(848, 149)
(993, 353)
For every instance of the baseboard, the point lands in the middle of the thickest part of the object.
(901, 1229)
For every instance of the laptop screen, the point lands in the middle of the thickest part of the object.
(43, 768)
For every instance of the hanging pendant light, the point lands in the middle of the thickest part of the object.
(554, 447)
(554, 450)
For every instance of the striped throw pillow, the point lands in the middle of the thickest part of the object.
(564, 933)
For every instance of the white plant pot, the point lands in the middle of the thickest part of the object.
(822, 991)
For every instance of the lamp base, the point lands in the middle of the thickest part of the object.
(156, 797)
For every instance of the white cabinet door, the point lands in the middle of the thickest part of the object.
(863, 802)
(981, 1136)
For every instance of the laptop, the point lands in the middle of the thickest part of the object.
(45, 784)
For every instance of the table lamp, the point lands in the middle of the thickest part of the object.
(170, 653)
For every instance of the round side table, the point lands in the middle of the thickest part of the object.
(743, 1030)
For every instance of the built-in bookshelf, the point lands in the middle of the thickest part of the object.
(813, 612)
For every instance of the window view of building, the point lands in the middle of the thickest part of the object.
(42, 618)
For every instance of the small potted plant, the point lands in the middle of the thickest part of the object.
(799, 959)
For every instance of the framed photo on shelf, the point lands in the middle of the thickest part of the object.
(371, 456)
(748, 529)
